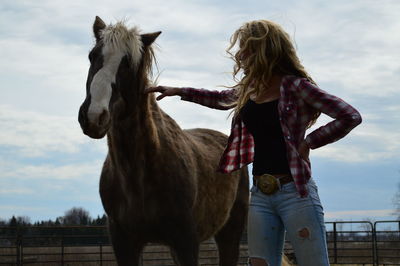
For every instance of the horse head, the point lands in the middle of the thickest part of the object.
(118, 60)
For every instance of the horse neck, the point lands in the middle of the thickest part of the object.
(138, 141)
(128, 134)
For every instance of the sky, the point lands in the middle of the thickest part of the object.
(47, 165)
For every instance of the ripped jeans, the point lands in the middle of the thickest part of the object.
(302, 218)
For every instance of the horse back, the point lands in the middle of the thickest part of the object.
(208, 137)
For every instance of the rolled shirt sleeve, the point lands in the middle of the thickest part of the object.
(221, 100)
(345, 116)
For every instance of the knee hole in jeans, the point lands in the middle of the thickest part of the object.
(257, 262)
(304, 233)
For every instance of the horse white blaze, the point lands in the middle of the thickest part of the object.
(100, 88)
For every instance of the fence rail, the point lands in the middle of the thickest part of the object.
(354, 242)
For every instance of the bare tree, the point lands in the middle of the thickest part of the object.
(76, 216)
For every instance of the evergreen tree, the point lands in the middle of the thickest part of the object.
(13, 222)
(103, 220)
(23, 220)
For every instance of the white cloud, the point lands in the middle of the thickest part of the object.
(368, 142)
(352, 43)
(70, 172)
(43, 77)
(57, 62)
(35, 134)
(16, 191)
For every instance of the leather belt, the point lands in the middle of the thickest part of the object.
(269, 184)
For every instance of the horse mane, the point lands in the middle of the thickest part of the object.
(119, 37)
(148, 59)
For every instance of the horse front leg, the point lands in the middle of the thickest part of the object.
(127, 250)
(185, 245)
(229, 236)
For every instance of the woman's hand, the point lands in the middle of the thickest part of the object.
(164, 90)
(304, 151)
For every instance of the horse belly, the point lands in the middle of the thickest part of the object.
(216, 196)
(216, 192)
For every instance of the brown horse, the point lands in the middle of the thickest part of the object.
(159, 183)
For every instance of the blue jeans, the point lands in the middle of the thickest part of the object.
(302, 218)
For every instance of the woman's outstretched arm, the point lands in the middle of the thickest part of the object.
(221, 100)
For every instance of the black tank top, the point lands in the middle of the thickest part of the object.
(262, 121)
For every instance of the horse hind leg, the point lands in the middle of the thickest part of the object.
(229, 236)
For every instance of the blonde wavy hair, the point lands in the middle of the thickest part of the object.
(265, 49)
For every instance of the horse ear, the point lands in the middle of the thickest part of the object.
(98, 25)
(149, 38)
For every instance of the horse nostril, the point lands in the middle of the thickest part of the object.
(103, 118)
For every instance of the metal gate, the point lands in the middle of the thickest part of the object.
(349, 242)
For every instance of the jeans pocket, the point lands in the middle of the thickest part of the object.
(313, 193)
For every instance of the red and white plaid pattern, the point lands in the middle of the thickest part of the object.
(298, 103)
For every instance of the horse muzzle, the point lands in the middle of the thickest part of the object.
(95, 126)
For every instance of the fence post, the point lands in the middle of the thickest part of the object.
(374, 245)
(19, 247)
(101, 254)
(334, 243)
(62, 247)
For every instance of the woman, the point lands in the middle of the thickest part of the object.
(275, 101)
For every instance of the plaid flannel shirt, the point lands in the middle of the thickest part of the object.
(298, 103)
